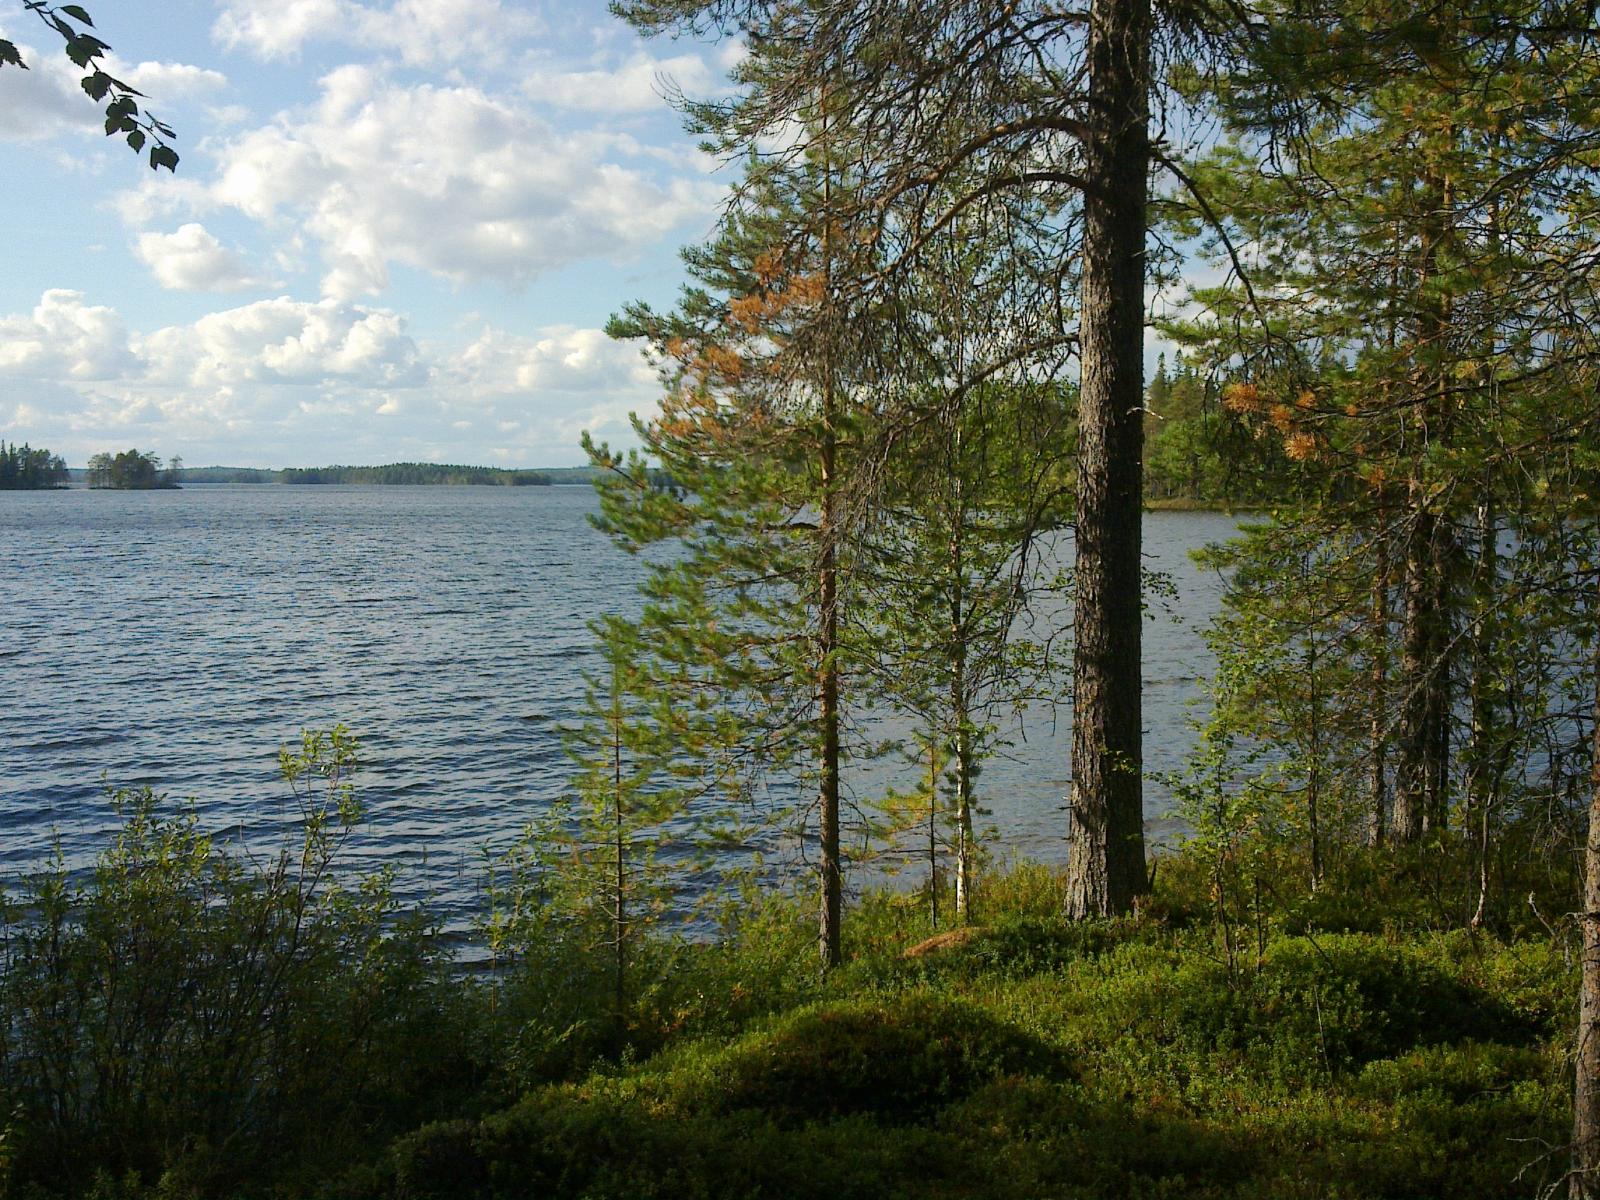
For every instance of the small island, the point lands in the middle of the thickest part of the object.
(22, 468)
(133, 470)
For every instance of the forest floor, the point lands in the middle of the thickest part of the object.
(1341, 1044)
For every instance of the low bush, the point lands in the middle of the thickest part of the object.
(1319, 1006)
(209, 1024)
(896, 1060)
(189, 1025)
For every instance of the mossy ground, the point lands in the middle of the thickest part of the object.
(1042, 1058)
(1241, 1036)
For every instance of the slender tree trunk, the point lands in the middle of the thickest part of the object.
(1446, 548)
(1585, 1179)
(1484, 757)
(1377, 731)
(1105, 840)
(1482, 775)
(620, 915)
(1413, 766)
(965, 848)
(1436, 813)
(960, 710)
(830, 868)
(1314, 768)
(1378, 728)
(1424, 709)
(933, 828)
(828, 650)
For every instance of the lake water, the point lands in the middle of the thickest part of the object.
(176, 639)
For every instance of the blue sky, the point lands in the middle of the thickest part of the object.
(396, 232)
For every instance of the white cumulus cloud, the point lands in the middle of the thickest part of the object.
(66, 338)
(293, 382)
(44, 100)
(191, 259)
(48, 98)
(162, 81)
(640, 84)
(285, 341)
(562, 358)
(449, 180)
(416, 32)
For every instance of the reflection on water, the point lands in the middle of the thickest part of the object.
(177, 638)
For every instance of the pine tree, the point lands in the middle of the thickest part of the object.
(954, 568)
(1401, 325)
(759, 434)
(1034, 119)
(600, 848)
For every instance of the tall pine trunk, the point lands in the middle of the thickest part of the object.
(1105, 840)
(1412, 768)
(1422, 761)
(1585, 1178)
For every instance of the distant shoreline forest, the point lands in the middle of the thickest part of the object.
(1197, 458)
(392, 473)
(22, 468)
(414, 473)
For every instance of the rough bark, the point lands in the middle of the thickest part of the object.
(1422, 754)
(1584, 1182)
(830, 869)
(1105, 840)
(1416, 735)
(1377, 731)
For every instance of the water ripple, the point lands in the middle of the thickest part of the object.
(176, 641)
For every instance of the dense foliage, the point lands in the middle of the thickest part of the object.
(132, 469)
(190, 1022)
(1199, 454)
(227, 475)
(24, 467)
(912, 349)
(200, 1016)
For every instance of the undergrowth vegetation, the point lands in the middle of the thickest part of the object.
(193, 1022)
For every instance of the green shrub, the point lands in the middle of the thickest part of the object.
(1021, 890)
(554, 1019)
(207, 1024)
(1331, 1004)
(896, 1060)
(441, 1159)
